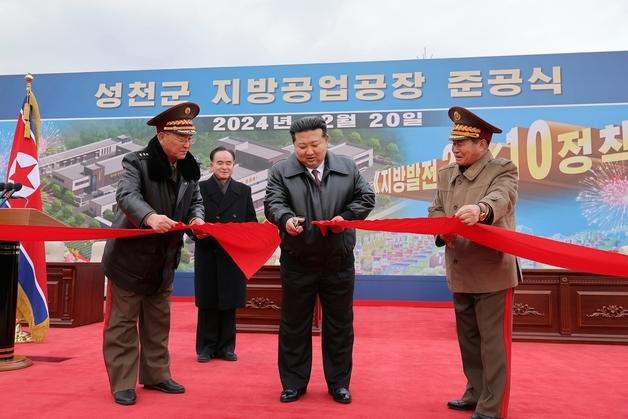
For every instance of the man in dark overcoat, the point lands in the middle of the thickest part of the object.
(219, 285)
(158, 188)
(315, 184)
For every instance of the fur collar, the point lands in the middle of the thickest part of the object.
(159, 167)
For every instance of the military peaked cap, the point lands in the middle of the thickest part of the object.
(468, 125)
(177, 119)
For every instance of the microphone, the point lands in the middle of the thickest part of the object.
(1, 186)
(9, 189)
(16, 187)
(6, 188)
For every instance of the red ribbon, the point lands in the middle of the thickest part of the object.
(552, 252)
(249, 244)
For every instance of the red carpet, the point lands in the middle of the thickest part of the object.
(406, 365)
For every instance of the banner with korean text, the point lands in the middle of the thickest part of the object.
(564, 119)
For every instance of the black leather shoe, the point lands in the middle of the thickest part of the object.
(168, 386)
(203, 358)
(341, 395)
(291, 395)
(477, 415)
(125, 397)
(460, 405)
(228, 356)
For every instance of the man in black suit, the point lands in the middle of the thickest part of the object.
(314, 184)
(219, 285)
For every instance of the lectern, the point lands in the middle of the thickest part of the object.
(9, 259)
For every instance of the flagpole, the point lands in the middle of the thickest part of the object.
(9, 260)
(27, 110)
(22, 336)
(29, 81)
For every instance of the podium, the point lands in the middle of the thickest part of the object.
(263, 305)
(9, 259)
(75, 293)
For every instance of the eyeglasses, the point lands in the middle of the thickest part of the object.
(183, 139)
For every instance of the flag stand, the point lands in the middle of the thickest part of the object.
(9, 258)
(25, 145)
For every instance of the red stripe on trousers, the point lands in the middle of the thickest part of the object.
(108, 303)
(508, 347)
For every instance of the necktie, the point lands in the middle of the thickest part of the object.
(317, 179)
(173, 174)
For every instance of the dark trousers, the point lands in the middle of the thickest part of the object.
(484, 326)
(215, 331)
(300, 287)
(136, 337)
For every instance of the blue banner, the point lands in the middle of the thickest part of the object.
(564, 119)
(534, 80)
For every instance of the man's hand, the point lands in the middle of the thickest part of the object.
(199, 222)
(468, 214)
(337, 229)
(294, 225)
(159, 223)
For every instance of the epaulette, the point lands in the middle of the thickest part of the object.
(501, 161)
(449, 166)
(143, 155)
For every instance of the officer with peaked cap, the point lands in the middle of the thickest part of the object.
(158, 188)
(479, 188)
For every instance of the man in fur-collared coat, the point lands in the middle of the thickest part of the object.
(158, 189)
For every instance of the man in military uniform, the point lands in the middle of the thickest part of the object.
(478, 188)
(158, 188)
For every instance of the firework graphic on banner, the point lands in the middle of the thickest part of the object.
(6, 139)
(604, 199)
(51, 141)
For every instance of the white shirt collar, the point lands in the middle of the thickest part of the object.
(319, 168)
